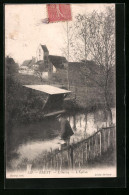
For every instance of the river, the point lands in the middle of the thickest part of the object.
(25, 143)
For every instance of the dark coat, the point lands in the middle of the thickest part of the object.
(66, 130)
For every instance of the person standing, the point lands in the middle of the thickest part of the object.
(66, 130)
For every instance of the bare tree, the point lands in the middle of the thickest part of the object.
(93, 37)
(97, 32)
(81, 26)
(67, 50)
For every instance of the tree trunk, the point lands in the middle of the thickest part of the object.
(74, 122)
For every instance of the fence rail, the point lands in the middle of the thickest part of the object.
(81, 153)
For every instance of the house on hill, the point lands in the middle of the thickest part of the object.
(26, 67)
(29, 63)
(50, 63)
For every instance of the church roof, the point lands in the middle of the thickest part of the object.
(57, 61)
(44, 48)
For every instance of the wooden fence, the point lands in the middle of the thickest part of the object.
(81, 153)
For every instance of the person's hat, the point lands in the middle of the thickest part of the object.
(58, 116)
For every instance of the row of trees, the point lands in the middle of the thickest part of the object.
(21, 104)
(92, 36)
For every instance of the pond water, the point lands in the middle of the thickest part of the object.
(27, 142)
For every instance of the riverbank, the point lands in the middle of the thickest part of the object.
(28, 105)
(36, 138)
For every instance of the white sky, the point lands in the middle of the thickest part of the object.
(24, 30)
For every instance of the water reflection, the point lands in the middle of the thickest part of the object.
(27, 142)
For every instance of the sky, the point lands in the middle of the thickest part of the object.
(24, 30)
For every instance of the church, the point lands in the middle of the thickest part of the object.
(50, 63)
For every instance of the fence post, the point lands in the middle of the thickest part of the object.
(104, 145)
(57, 162)
(51, 157)
(114, 129)
(29, 167)
(68, 156)
(45, 162)
(100, 144)
(108, 138)
(74, 159)
(83, 160)
(86, 151)
(94, 147)
(80, 153)
(54, 160)
(71, 156)
(78, 157)
(61, 159)
(89, 149)
(112, 138)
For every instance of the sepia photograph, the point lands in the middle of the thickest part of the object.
(60, 91)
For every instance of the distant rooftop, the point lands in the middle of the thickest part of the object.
(57, 61)
(28, 63)
(48, 89)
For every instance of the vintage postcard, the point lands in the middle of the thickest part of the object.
(60, 91)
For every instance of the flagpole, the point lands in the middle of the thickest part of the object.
(68, 57)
